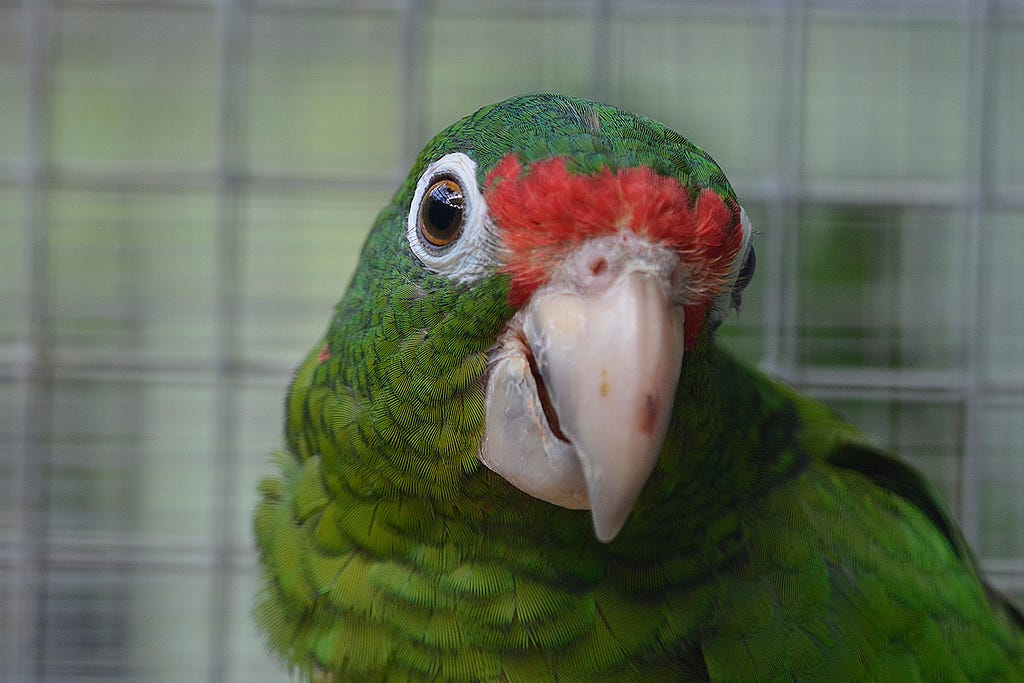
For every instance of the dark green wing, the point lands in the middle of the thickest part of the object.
(899, 478)
(856, 571)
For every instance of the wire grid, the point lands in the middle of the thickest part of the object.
(45, 568)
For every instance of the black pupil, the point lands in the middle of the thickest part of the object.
(443, 212)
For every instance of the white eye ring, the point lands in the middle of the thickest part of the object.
(469, 253)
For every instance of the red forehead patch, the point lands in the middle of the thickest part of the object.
(546, 211)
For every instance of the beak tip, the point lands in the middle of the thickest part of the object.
(606, 534)
(605, 530)
(611, 506)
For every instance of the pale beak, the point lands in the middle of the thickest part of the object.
(583, 382)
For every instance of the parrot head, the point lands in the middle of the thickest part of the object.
(524, 306)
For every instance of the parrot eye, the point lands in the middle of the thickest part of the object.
(742, 272)
(746, 271)
(441, 212)
(448, 228)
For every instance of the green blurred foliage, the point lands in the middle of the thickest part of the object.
(132, 274)
(13, 271)
(134, 86)
(872, 90)
(13, 67)
(882, 287)
(1007, 134)
(1000, 470)
(325, 93)
(1003, 333)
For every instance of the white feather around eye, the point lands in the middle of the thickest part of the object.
(471, 252)
(729, 296)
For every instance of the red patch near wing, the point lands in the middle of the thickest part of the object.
(546, 211)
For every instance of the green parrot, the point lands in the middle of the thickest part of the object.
(517, 454)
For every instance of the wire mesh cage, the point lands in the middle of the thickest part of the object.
(184, 187)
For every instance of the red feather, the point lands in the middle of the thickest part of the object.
(545, 212)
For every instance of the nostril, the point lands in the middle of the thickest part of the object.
(598, 266)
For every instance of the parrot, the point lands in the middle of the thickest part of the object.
(518, 454)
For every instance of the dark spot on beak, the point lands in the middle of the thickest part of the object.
(648, 414)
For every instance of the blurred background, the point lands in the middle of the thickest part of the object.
(184, 186)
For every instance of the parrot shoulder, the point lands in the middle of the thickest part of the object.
(900, 479)
(835, 444)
